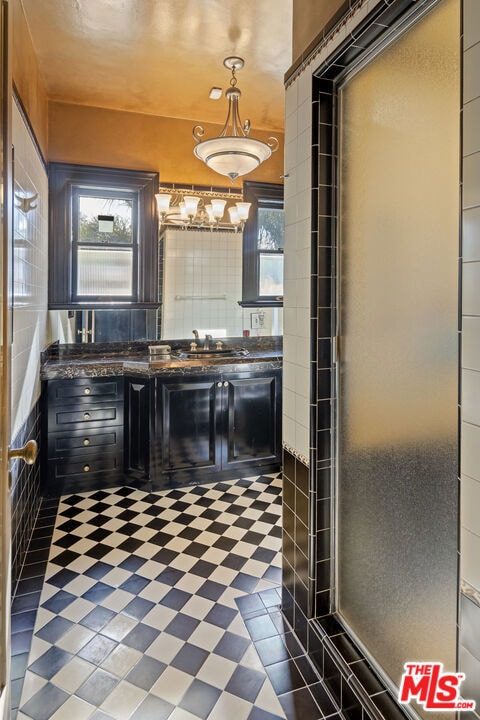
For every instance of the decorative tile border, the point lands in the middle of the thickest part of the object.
(326, 41)
(296, 454)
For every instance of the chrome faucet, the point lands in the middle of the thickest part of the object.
(206, 345)
(195, 333)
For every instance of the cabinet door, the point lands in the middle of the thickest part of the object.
(137, 427)
(252, 423)
(186, 425)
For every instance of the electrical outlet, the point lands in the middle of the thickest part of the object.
(257, 320)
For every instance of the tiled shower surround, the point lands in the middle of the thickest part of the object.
(308, 589)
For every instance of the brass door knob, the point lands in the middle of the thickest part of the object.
(28, 453)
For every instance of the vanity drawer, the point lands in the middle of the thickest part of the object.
(78, 474)
(85, 443)
(79, 390)
(84, 438)
(93, 416)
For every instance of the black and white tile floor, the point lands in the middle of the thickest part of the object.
(166, 606)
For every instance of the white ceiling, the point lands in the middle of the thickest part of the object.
(161, 57)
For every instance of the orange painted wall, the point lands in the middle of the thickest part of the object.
(309, 18)
(26, 77)
(111, 138)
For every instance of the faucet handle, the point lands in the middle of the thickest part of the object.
(219, 345)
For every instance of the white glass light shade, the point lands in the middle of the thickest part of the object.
(191, 204)
(234, 217)
(163, 202)
(209, 211)
(218, 207)
(243, 208)
(232, 156)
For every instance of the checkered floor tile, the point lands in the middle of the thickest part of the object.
(138, 615)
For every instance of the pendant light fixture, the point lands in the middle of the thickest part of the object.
(233, 152)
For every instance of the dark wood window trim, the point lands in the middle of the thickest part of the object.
(261, 195)
(64, 180)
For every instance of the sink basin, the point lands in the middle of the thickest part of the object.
(214, 353)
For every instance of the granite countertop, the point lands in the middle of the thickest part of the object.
(108, 362)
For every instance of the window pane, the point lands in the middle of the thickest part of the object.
(270, 229)
(93, 229)
(103, 271)
(271, 274)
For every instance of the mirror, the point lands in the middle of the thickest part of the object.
(200, 283)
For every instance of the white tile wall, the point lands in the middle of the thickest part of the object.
(31, 331)
(205, 265)
(296, 341)
(470, 430)
(200, 266)
(298, 159)
(471, 9)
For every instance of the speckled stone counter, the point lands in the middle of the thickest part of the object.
(116, 359)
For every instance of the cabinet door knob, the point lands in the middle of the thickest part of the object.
(86, 441)
(219, 384)
(87, 391)
(86, 468)
(225, 384)
(86, 416)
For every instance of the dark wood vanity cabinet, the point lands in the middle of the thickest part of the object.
(205, 425)
(84, 438)
(160, 432)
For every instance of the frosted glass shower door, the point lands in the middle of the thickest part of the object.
(398, 369)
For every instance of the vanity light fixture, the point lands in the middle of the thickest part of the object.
(233, 152)
(205, 210)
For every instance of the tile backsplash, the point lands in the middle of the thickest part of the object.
(203, 284)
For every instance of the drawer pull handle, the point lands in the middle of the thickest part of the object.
(86, 468)
(87, 391)
(219, 384)
(86, 416)
(225, 384)
(86, 441)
